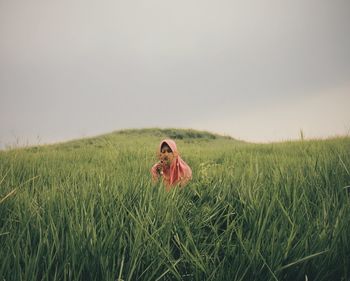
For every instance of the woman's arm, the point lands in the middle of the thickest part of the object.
(156, 171)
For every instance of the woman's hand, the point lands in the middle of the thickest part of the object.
(159, 167)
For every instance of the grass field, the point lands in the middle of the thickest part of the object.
(87, 210)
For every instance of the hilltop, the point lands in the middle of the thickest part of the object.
(147, 134)
(173, 133)
(152, 135)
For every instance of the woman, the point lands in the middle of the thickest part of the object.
(171, 168)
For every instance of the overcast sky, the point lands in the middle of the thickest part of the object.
(256, 70)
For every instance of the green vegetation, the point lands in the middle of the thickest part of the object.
(87, 210)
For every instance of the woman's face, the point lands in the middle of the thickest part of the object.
(166, 154)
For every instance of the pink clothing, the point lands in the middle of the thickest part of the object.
(179, 172)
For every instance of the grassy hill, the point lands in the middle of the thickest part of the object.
(87, 210)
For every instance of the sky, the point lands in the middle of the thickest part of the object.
(258, 71)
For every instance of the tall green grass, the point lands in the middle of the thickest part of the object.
(87, 210)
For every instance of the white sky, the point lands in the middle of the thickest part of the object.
(256, 70)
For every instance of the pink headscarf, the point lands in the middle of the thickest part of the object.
(178, 173)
